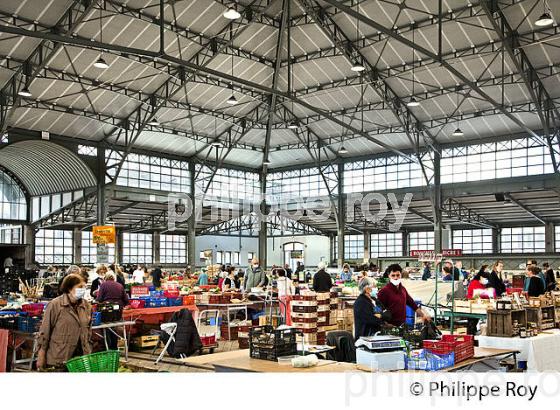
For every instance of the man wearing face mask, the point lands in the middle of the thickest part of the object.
(395, 298)
(66, 329)
(254, 277)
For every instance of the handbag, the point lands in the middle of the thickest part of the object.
(430, 332)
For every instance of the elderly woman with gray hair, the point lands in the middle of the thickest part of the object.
(112, 291)
(366, 321)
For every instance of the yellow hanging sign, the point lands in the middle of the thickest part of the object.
(104, 234)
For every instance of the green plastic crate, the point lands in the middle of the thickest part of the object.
(102, 362)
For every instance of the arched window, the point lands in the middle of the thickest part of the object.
(13, 205)
(293, 253)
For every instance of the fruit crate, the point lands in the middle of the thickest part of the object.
(461, 345)
(156, 302)
(29, 324)
(500, 322)
(33, 309)
(266, 343)
(175, 301)
(430, 362)
(188, 300)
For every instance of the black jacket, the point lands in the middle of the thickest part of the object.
(550, 280)
(494, 281)
(120, 279)
(365, 322)
(157, 275)
(187, 340)
(322, 281)
(536, 286)
(95, 286)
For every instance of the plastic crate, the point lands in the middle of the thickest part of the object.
(171, 293)
(511, 291)
(188, 300)
(266, 343)
(96, 318)
(102, 362)
(137, 303)
(33, 309)
(156, 302)
(28, 324)
(461, 345)
(156, 293)
(175, 301)
(430, 362)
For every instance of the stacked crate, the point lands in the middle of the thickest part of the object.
(323, 313)
(303, 310)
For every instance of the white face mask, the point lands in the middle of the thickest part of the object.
(255, 265)
(79, 293)
(484, 281)
(396, 282)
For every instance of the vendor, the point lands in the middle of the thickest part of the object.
(367, 321)
(322, 281)
(549, 277)
(477, 288)
(395, 298)
(230, 282)
(426, 273)
(66, 329)
(495, 279)
(346, 274)
(101, 272)
(157, 276)
(202, 279)
(254, 277)
(536, 286)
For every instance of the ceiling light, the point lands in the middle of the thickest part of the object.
(266, 162)
(24, 92)
(342, 150)
(458, 132)
(216, 144)
(545, 20)
(412, 103)
(293, 125)
(232, 100)
(357, 67)
(153, 122)
(231, 14)
(101, 63)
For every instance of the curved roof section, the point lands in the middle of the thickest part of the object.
(46, 168)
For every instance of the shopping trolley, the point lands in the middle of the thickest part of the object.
(208, 326)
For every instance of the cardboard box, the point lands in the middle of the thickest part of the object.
(143, 342)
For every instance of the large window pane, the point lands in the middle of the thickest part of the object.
(523, 239)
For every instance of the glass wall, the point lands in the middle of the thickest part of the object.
(53, 246)
(89, 249)
(44, 205)
(228, 183)
(557, 238)
(13, 204)
(421, 241)
(383, 245)
(473, 241)
(151, 172)
(524, 239)
(301, 183)
(137, 248)
(514, 158)
(173, 248)
(11, 234)
(353, 246)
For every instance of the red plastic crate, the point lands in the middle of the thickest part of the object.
(511, 291)
(461, 345)
(188, 300)
(33, 309)
(171, 293)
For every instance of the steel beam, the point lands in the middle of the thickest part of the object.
(525, 208)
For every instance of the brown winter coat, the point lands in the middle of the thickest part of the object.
(62, 329)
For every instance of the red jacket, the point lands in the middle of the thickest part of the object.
(475, 284)
(396, 299)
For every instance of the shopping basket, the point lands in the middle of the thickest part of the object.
(102, 362)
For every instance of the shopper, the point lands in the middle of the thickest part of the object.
(157, 276)
(286, 290)
(367, 321)
(426, 273)
(230, 282)
(299, 273)
(254, 277)
(138, 275)
(288, 271)
(120, 275)
(495, 279)
(478, 285)
(322, 281)
(462, 274)
(549, 277)
(394, 297)
(66, 328)
(112, 291)
(346, 274)
(202, 279)
(536, 286)
(101, 272)
(483, 269)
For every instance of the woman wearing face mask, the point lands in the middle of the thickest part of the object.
(367, 321)
(66, 329)
(477, 285)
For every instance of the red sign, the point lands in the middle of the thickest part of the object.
(444, 252)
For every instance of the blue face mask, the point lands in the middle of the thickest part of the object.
(374, 293)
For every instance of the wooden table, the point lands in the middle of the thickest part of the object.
(239, 361)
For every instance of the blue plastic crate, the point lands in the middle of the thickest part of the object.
(156, 293)
(429, 361)
(29, 324)
(174, 301)
(10, 313)
(151, 288)
(410, 314)
(156, 302)
(96, 318)
(212, 321)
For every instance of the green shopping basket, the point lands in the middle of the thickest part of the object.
(102, 362)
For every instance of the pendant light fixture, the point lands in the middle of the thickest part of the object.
(546, 18)
(100, 62)
(342, 150)
(153, 122)
(231, 13)
(458, 132)
(266, 162)
(357, 66)
(293, 125)
(231, 100)
(24, 92)
(412, 102)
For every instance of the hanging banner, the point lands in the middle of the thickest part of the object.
(104, 234)
(296, 254)
(444, 252)
(102, 253)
